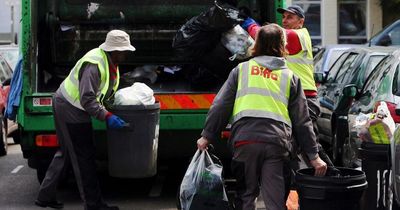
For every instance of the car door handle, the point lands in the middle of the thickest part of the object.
(337, 93)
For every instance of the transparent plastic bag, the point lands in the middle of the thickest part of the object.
(361, 125)
(237, 41)
(202, 186)
(375, 127)
(382, 126)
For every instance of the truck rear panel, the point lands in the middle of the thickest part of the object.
(55, 34)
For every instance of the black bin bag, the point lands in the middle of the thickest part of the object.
(202, 186)
(201, 33)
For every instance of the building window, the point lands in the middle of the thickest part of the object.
(352, 21)
(312, 8)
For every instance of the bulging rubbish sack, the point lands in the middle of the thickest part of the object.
(202, 186)
(361, 126)
(137, 94)
(376, 127)
(201, 33)
(237, 41)
(382, 126)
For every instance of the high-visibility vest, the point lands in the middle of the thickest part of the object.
(70, 86)
(262, 93)
(302, 62)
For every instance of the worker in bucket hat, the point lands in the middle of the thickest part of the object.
(92, 81)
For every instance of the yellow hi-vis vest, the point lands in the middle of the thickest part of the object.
(70, 86)
(302, 63)
(262, 93)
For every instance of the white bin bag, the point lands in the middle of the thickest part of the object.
(137, 94)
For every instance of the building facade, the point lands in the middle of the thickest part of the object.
(10, 16)
(341, 21)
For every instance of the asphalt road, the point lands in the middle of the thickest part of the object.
(19, 187)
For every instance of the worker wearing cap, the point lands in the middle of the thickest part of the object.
(92, 81)
(300, 59)
(266, 103)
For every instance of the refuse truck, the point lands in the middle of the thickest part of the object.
(55, 34)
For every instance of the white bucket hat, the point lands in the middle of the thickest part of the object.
(117, 40)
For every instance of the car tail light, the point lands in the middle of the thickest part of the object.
(225, 134)
(48, 140)
(392, 109)
(42, 101)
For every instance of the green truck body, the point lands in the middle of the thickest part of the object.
(50, 49)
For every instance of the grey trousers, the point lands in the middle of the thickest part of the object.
(75, 136)
(259, 166)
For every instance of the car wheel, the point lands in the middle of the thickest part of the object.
(3, 141)
(349, 156)
(337, 146)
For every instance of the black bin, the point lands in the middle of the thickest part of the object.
(375, 164)
(330, 192)
(132, 150)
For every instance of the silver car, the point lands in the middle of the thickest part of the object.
(383, 85)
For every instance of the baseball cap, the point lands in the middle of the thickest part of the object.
(295, 9)
(117, 40)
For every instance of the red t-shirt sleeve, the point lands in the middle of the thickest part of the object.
(293, 42)
(253, 29)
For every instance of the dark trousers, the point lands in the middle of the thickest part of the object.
(75, 136)
(259, 166)
(291, 166)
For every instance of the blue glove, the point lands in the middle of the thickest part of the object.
(248, 22)
(114, 122)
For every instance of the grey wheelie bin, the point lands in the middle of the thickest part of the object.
(132, 150)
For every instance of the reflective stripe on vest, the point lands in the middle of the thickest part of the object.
(262, 93)
(70, 86)
(302, 63)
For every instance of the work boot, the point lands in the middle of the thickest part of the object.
(51, 204)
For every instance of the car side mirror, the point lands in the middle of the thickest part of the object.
(350, 91)
(385, 40)
(319, 77)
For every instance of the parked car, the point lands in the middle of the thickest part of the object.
(389, 36)
(10, 54)
(352, 67)
(327, 56)
(5, 75)
(383, 85)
